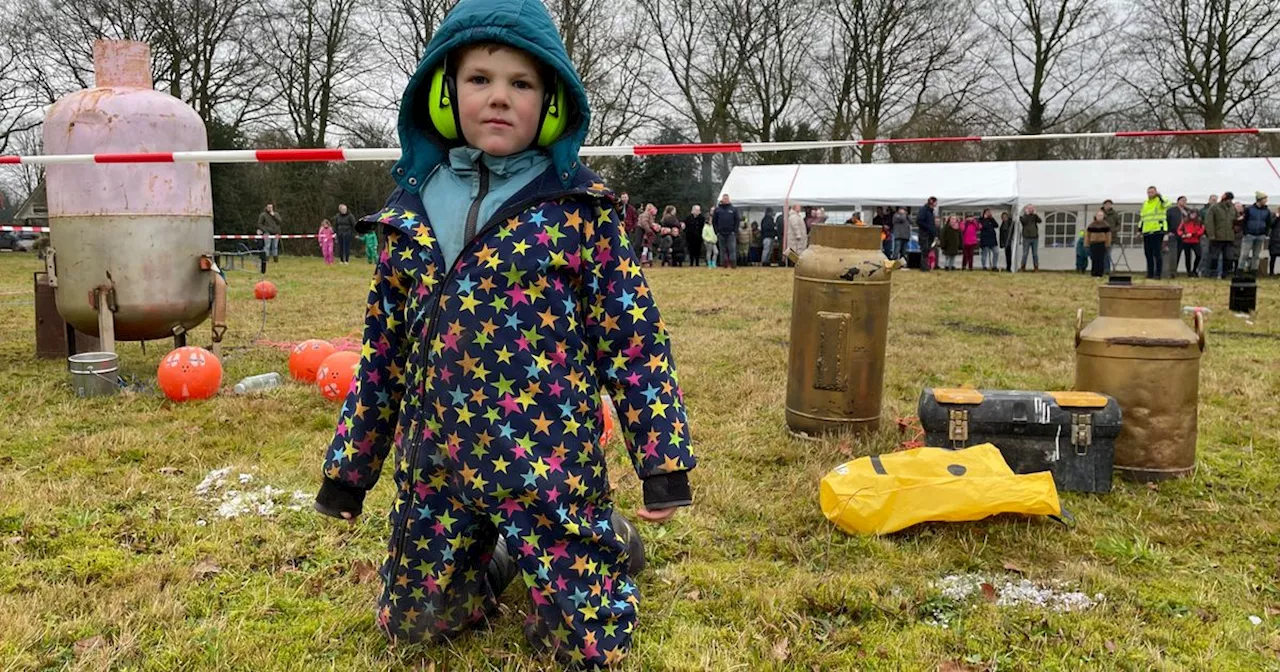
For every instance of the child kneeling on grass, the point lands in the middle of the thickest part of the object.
(505, 298)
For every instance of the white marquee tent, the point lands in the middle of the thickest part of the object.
(1066, 193)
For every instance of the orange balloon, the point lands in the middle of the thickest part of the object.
(336, 374)
(609, 420)
(307, 357)
(189, 373)
(264, 291)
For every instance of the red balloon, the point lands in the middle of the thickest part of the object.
(307, 357)
(336, 374)
(189, 373)
(264, 291)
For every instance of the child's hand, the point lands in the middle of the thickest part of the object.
(656, 516)
(334, 513)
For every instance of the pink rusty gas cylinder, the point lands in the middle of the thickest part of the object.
(128, 237)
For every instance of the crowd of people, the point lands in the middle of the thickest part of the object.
(724, 239)
(339, 231)
(1217, 240)
(1220, 239)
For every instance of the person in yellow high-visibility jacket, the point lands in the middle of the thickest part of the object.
(1154, 228)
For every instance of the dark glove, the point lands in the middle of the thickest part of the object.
(666, 491)
(335, 499)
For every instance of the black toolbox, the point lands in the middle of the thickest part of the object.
(1072, 434)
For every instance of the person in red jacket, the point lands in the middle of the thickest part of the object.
(1190, 231)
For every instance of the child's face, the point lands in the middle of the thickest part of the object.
(499, 98)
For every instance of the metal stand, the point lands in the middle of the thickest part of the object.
(105, 300)
(1123, 259)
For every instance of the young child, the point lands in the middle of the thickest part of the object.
(325, 236)
(648, 233)
(505, 300)
(1098, 239)
(370, 241)
(949, 239)
(970, 230)
(710, 248)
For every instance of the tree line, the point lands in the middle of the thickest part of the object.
(316, 73)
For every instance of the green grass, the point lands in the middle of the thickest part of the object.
(102, 564)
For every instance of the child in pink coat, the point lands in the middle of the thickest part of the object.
(970, 231)
(325, 235)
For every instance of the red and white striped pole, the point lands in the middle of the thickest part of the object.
(391, 153)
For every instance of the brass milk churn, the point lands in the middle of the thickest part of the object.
(1140, 352)
(839, 326)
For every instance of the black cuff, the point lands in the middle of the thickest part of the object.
(336, 498)
(667, 491)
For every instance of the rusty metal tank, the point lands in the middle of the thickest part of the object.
(1139, 351)
(128, 237)
(839, 327)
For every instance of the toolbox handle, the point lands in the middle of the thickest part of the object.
(1200, 328)
(1080, 325)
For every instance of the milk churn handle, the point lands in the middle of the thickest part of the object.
(1200, 328)
(1079, 324)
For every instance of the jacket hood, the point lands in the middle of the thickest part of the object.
(523, 24)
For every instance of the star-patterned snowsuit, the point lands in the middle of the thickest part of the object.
(486, 378)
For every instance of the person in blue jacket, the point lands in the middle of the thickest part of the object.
(505, 301)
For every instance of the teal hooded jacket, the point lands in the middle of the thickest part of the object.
(524, 24)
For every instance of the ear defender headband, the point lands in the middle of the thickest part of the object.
(442, 109)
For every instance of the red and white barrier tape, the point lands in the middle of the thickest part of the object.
(228, 236)
(391, 153)
(241, 236)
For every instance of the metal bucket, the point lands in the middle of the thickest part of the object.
(94, 374)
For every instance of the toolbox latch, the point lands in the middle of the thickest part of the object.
(1081, 432)
(958, 428)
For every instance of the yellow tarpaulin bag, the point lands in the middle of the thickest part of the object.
(887, 493)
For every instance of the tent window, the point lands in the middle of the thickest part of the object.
(1060, 229)
(1130, 233)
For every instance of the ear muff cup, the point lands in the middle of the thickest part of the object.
(555, 116)
(442, 109)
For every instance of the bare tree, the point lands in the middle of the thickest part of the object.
(18, 104)
(57, 47)
(405, 28)
(313, 64)
(597, 40)
(1055, 63)
(883, 62)
(777, 63)
(701, 47)
(1208, 63)
(206, 46)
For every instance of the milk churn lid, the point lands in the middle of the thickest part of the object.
(845, 237)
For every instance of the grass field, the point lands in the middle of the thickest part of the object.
(103, 564)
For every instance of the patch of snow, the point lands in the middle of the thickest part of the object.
(1053, 596)
(233, 502)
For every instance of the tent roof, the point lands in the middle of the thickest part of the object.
(1125, 182)
(1043, 183)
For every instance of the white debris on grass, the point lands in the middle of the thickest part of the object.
(1053, 596)
(1255, 620)
(233, 502)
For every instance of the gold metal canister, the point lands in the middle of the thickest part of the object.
(1139, 351)
(839, 326)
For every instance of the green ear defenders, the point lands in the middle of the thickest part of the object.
(443, 112)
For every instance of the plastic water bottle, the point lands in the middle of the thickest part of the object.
(260, 383)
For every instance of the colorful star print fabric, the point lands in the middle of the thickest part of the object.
(486, 379)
